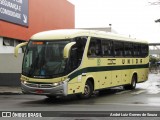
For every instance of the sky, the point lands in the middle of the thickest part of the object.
(135, 18)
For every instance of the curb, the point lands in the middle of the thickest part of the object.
(10, 90)
(11, 93)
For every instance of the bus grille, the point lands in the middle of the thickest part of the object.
(34, 85)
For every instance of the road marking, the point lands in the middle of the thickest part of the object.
(131, 104)
(138, 92)
(153, 92)
(122, 92)
(120, 103)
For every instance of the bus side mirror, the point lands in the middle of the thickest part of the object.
(67, 49)
(18, 46)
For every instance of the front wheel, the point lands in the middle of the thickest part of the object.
(88, 90)
(132, 85)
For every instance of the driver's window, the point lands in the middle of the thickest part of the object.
(76, 53)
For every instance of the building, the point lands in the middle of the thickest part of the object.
(105, 29)
(19, 20)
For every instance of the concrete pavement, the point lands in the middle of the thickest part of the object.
(10, 90)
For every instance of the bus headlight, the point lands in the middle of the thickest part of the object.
(60, 83)
(24, 82)
(56, 84)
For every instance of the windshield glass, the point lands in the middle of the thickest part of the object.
(44, 59)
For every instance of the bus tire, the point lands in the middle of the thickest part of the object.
(132, 85)
(88, 90)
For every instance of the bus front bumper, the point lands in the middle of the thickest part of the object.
(44, 89)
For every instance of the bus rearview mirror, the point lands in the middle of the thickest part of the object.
(17, 48)
(67, 49)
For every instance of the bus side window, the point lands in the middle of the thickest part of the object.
(128, 48)
(137, 50)
(98, 48)
(107, 48)
(77, 52)
(144, 50)
(94, 48)
(80, 44)
(118, 48)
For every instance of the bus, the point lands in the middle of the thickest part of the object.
(71, 61)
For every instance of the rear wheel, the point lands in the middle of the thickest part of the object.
(88, 90)
(132, 85)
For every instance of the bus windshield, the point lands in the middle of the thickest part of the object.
(44, 59)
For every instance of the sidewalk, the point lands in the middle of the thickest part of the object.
(10, 90)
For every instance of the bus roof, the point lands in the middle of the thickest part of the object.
(71, 33)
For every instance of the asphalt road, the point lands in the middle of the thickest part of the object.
(146, 97)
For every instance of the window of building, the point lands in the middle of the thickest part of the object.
(16, 42)
(8, 42)
(11, 42)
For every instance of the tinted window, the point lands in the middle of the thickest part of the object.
(128, 48)
(137, 50)
(118, 48)
(144, 49)
(107, 48)
(44, 58)
(94, 47)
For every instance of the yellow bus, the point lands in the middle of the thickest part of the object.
(65, 62)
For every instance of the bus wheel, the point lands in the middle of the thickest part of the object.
(88, 90)
(132, 85)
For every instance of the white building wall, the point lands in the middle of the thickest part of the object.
(7, 49)
(10, 64)
(10, 67)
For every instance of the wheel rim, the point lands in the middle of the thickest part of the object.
(86, 90)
